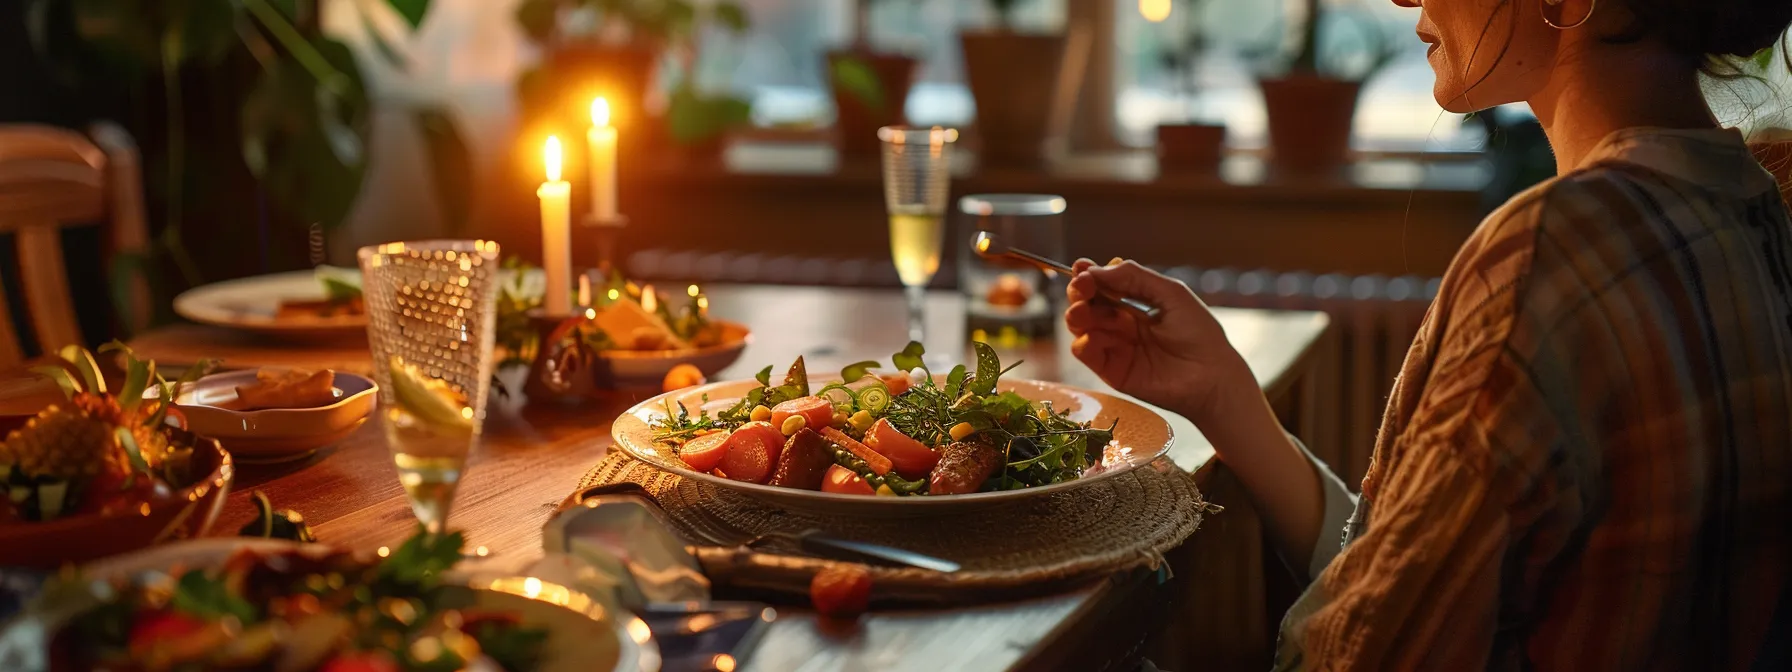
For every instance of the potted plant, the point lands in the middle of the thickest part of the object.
(1014, 79)
(254, 127)
(614, 49)
(870, 87)
(1189, 144)
(1311, 106)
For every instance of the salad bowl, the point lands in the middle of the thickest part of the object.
(1140, 437)
(582, 634)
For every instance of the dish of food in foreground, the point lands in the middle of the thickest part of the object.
(297, 608)
(894, 435)
(97, 452)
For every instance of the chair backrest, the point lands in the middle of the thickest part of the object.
(51, 178)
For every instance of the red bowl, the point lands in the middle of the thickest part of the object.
(187, 513)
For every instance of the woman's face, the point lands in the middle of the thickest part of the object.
(1489, 52)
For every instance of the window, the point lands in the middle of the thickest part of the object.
(780, 64)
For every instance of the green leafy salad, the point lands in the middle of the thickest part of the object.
(894, 435)
(301, 610)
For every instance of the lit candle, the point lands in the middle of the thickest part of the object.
(556, 232)
(584, 290)
(601, 141)
(649, 301)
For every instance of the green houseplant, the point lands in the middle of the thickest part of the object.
(1312, 103)
(1014, 78)
(615, 48)
(1189, 143)
(254, 126)
(869, 86)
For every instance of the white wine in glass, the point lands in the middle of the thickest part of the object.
(430, 320)
(917, 174)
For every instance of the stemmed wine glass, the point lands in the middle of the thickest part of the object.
(430, 314)
(917, 174)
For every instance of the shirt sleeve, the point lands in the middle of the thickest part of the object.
(1339, 505)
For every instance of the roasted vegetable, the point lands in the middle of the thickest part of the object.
(804, 462)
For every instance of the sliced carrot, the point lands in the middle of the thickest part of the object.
(879, 464)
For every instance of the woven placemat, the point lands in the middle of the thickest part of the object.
(1033, 546)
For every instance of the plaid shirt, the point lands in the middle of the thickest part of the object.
(1586, 462)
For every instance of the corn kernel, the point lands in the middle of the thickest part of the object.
(761, 413)
(885, 491)
(862, 420)
(961, 430)
(793, 424)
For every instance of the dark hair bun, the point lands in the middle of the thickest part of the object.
(1714, 27)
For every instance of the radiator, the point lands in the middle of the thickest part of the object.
(1374, 319)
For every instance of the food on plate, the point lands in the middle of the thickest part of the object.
(892, 435)
(287, 388)
(841, 591)
(804, 462)
(305, 608)
(625, 316)
(1009, 291)
(96, 452)
(342, 297)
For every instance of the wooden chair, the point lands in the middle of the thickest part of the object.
(52, 178)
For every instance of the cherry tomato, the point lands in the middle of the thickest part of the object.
(841, 591)
(816, 411)
(842, 481)
(910, 458)
(752, 452)
(898, 383)
(159, 626)
(705, 452)
(363, 661)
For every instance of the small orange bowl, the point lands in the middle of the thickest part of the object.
(186, 513)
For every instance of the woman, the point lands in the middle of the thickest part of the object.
(1586, 460)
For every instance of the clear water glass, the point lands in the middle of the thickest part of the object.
(430, 314)
(917, 177)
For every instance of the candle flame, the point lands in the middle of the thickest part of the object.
(691, 290)
(552, 152)
(1154, 11)
(600, 112)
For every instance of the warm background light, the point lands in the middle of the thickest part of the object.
(552, 153)
(600, 112)
(1154, 11)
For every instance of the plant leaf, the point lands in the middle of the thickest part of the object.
(858, 370)
(989, 369)
(422, 558)
(858, 80)
(61, 375)
(1763, 59)
(85, 365)
(138, 373)
(413, 11)
(955, 380)
(306, 140)
(201, 595)
(910, 357)
(731, 16)
(692, 118)
(798, 377)
(450, 165)
(764, 376)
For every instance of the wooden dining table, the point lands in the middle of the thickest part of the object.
(532, 455)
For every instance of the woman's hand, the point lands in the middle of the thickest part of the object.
(1181, 362)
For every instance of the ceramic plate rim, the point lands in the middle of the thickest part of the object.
(815, 496)
(197, 304)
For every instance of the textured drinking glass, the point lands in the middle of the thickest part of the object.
(429, 321)
(917, 175)
(1006, 292)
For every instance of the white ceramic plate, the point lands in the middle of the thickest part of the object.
(1140, 437)
(274, 434)
(252, 304)
(582, 635)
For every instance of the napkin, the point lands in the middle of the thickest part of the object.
(616, 548)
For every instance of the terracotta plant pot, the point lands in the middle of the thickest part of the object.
(1014, 79)
(558, 94)
(1309, 122)
(857, 120)
(1190, 147)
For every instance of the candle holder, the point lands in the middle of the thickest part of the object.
(563, 366)
(606, 231)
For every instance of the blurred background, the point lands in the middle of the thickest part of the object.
(1273, 153)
